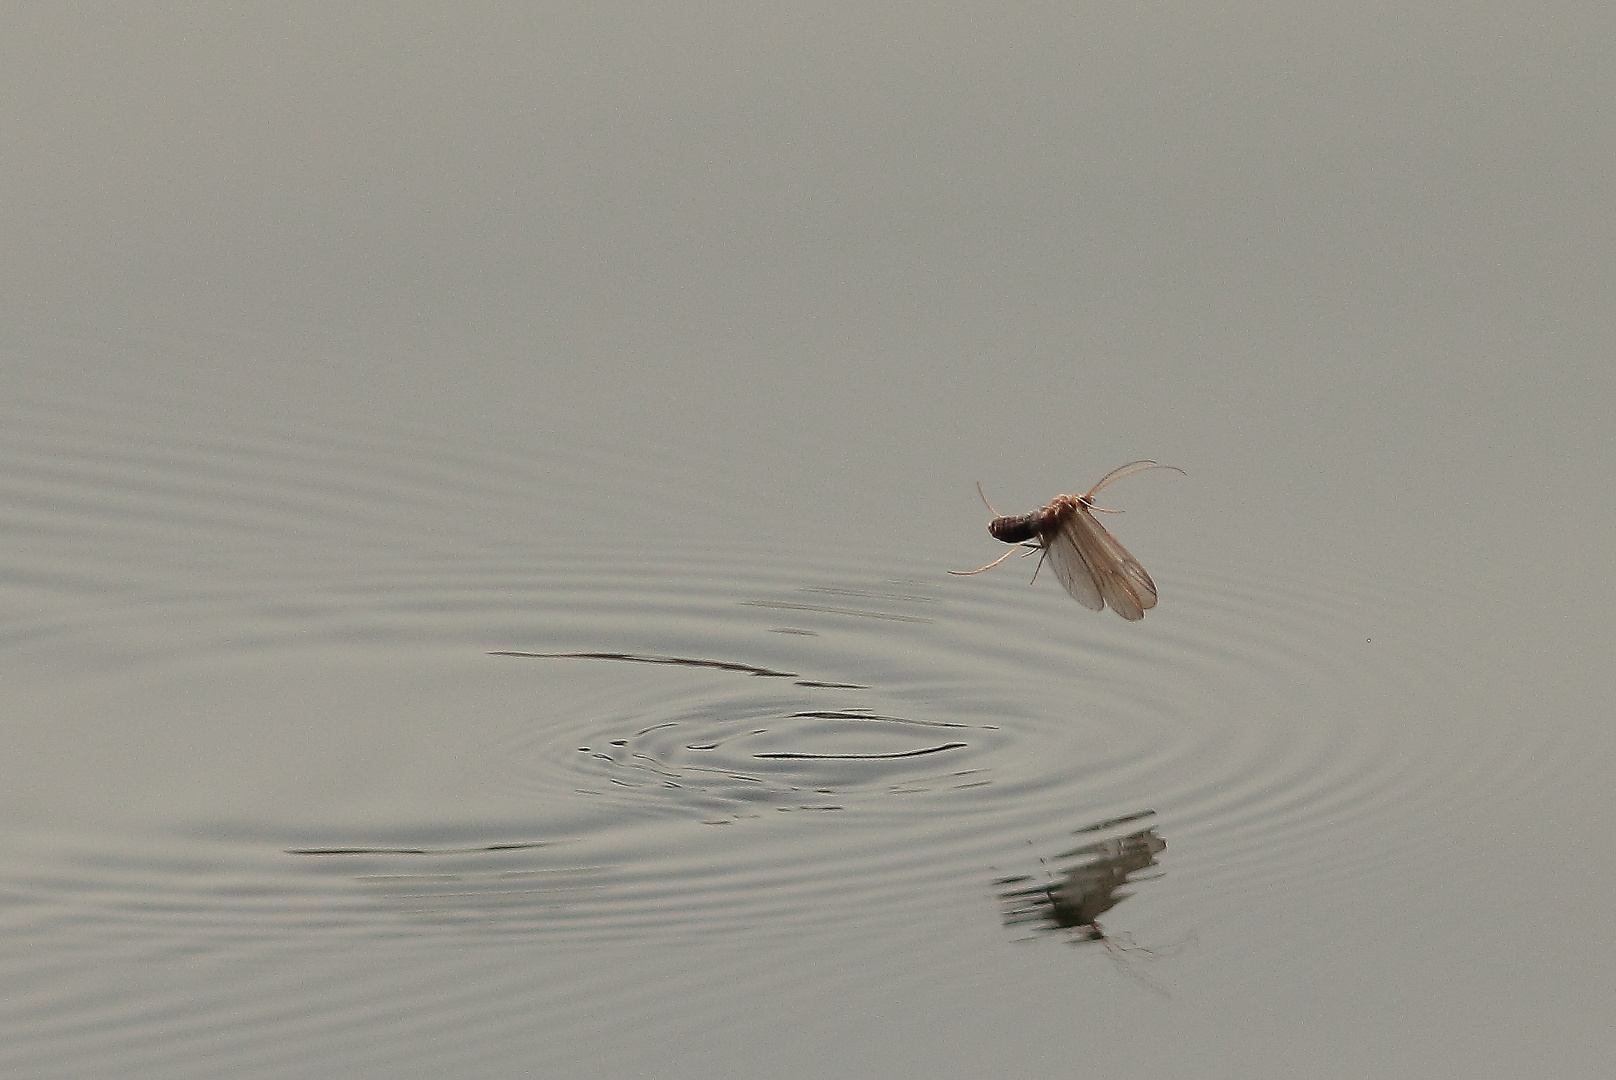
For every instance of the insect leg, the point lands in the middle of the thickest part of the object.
(989, 566)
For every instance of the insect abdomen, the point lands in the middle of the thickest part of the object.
(1016, 529)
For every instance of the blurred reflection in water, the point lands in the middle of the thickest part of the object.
(1090, 882)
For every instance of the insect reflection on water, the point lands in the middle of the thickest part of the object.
(1085, 882)
(1088, 560)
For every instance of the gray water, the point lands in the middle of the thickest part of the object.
(478, 486)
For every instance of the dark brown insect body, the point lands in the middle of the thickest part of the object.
(1016, 528)
(1093, 567)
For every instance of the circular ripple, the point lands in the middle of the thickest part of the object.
(875, 737)
(1257, 710)
(713, 744)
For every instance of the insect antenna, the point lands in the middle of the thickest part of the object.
(985, 502)
(1128, 470)
(1117, 474)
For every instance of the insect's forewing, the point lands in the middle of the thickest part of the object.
(1072, 567)
(1093, 566)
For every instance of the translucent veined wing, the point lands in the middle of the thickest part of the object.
(1127, 588)
(1093, 566)
(1071, 567)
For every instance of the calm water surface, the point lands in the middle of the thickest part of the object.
(475, 572)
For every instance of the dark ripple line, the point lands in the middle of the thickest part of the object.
(682, 661)
(863, 757)
(517, 845)
(842, 714)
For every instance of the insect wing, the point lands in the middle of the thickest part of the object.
(1072, 567)
(1109, 571)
